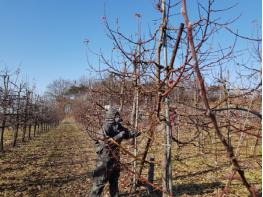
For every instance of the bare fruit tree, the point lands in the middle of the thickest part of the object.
(173, 83)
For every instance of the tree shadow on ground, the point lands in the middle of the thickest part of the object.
(196, 189)
(186, 189)
(54, 182)
(198, 173)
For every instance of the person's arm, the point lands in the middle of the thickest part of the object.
(111, 131)
(119, 137)
(127, 133)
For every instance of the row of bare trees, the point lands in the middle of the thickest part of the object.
(23, 112)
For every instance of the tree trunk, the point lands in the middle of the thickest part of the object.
(17, 125)
(2, 140)
(167, 162)
(15, 134)
(29, 132)
(2, 136)
(35, 129)
(167, 167)
(24, 133)
(134, 121)
(4, 107)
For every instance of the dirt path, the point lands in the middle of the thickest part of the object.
(56, 163)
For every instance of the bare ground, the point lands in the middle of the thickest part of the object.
(56, 163)
(60, 163)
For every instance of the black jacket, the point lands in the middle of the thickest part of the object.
(117, 132)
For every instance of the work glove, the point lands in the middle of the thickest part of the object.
(120, 136)
(135, 133)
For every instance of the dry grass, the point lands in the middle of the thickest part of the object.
(60, 163)
(56, 163)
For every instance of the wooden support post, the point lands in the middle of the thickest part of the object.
(151, 176)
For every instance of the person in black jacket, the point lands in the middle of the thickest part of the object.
(108, 154)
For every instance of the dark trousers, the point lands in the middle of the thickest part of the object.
(107, 169)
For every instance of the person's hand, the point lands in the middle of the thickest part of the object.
(135, 133)
(122, 134)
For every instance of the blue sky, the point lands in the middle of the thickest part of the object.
(46, 38)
